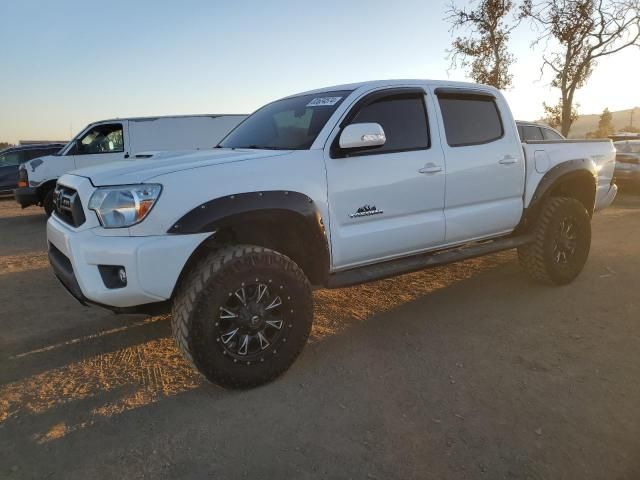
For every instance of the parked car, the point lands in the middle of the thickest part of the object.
(120, 139)
(334, 187)
(11, 158)
(535, 132)
(628, 161)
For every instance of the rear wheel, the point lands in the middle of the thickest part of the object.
(243, 315)
(47, 202)
(562, 239)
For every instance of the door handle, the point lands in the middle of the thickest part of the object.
(508, 160)
(430, 168)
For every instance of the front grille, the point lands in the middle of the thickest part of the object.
(67, 205)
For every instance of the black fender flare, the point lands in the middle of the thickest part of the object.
(565, 171)
(222, 212)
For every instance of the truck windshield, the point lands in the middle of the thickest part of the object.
(289, 124)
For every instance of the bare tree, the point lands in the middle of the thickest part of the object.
(483, 51)
(585, 31)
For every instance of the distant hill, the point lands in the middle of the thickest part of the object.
(589, 123)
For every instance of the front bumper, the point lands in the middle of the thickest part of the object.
(153, 264)
(26, 196)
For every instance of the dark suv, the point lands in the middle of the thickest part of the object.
(12, 157)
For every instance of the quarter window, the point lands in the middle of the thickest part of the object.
(470, 119)
(403, 118)
(102, 139)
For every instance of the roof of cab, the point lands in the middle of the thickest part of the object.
(400, 82)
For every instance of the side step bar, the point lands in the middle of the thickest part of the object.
(370, 273)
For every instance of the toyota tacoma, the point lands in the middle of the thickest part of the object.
(329, 188)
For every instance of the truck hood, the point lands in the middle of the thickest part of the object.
(140, 170)
(34, 163)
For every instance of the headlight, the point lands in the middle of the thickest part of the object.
(124, 206)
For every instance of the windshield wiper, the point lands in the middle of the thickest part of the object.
(259, 147)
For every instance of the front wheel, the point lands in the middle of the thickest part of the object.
(243, 315)
(562, 239)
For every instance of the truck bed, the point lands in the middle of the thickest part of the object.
(542, 156)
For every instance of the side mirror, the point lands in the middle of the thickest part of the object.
(362, 135)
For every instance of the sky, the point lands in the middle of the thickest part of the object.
(67, 63)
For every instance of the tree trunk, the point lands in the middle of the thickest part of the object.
(567, 109)
(565, 123)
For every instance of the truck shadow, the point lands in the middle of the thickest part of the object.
(401, 365)
(138, 356)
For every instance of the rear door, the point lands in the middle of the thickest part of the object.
(387, 201)
(9, 162)
(485, 165)
(102, 143)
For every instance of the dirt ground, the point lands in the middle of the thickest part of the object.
(467, 371)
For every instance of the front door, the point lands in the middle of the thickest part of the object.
(102, 143)
(387, 201)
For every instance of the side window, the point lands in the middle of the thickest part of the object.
(11, 158)
(532, 133)
(549, 134)
(404, 120)
(521, 133)
(102, 139)
(470, 119)
(35, 153)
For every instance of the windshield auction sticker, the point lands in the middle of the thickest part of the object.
(323, 101)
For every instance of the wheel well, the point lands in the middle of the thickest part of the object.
(581, 186)
(577, 184)
(284, 231)
(45, 187)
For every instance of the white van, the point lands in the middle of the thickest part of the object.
(116, 140)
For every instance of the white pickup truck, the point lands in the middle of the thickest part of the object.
(329, 188)
(114, 140)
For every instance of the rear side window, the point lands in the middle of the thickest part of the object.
(549, 134)
(11, 158)
(470, 119)
(532, 133)
(403, 118)
(35, 153)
